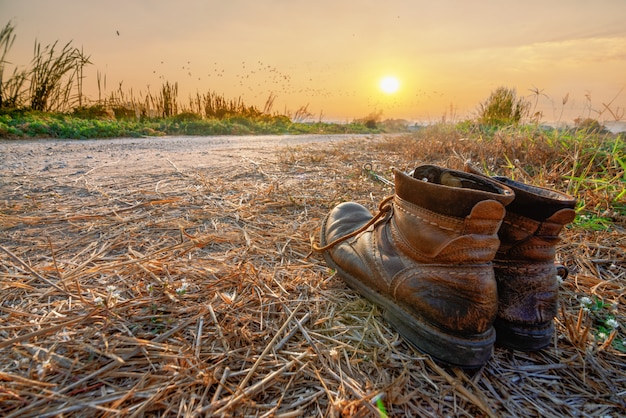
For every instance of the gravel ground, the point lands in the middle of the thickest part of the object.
(124, 156)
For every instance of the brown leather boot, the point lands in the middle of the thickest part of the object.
(426, 259)
(528, 288)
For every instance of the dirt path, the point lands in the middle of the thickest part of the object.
(126, 156)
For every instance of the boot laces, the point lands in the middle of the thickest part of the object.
(383, 209)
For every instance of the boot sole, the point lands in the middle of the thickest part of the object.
(523, 338)
(467, 353)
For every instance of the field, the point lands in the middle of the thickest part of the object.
(150, 287)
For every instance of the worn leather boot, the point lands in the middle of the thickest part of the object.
(524, 266)
(426, 259)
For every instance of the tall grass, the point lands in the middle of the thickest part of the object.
(53, 76)
(165, 103)
(11, 90)
(168, 103)
(52, 83)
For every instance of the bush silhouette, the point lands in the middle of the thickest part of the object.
(503, 108)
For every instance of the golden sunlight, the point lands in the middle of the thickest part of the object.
(389, 84)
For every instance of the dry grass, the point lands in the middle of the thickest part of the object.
(192, 293)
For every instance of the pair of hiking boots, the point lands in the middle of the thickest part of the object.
(457, 260)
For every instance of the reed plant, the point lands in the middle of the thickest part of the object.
(11, 90)
(52, 83)
(54, 75)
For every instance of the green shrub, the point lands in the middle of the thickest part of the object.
(503, 108)
(122, 112)
(590, 125)
(97, 111)
(186, 117)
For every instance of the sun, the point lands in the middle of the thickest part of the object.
(389, 84)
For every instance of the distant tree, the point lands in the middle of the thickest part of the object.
(503, 108)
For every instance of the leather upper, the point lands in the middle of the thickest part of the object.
(435, 265)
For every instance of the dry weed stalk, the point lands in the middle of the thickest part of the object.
(191, 293)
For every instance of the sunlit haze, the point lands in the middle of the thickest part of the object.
(389, 84)
(447, 56)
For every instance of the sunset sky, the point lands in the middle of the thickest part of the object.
(332, 54)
